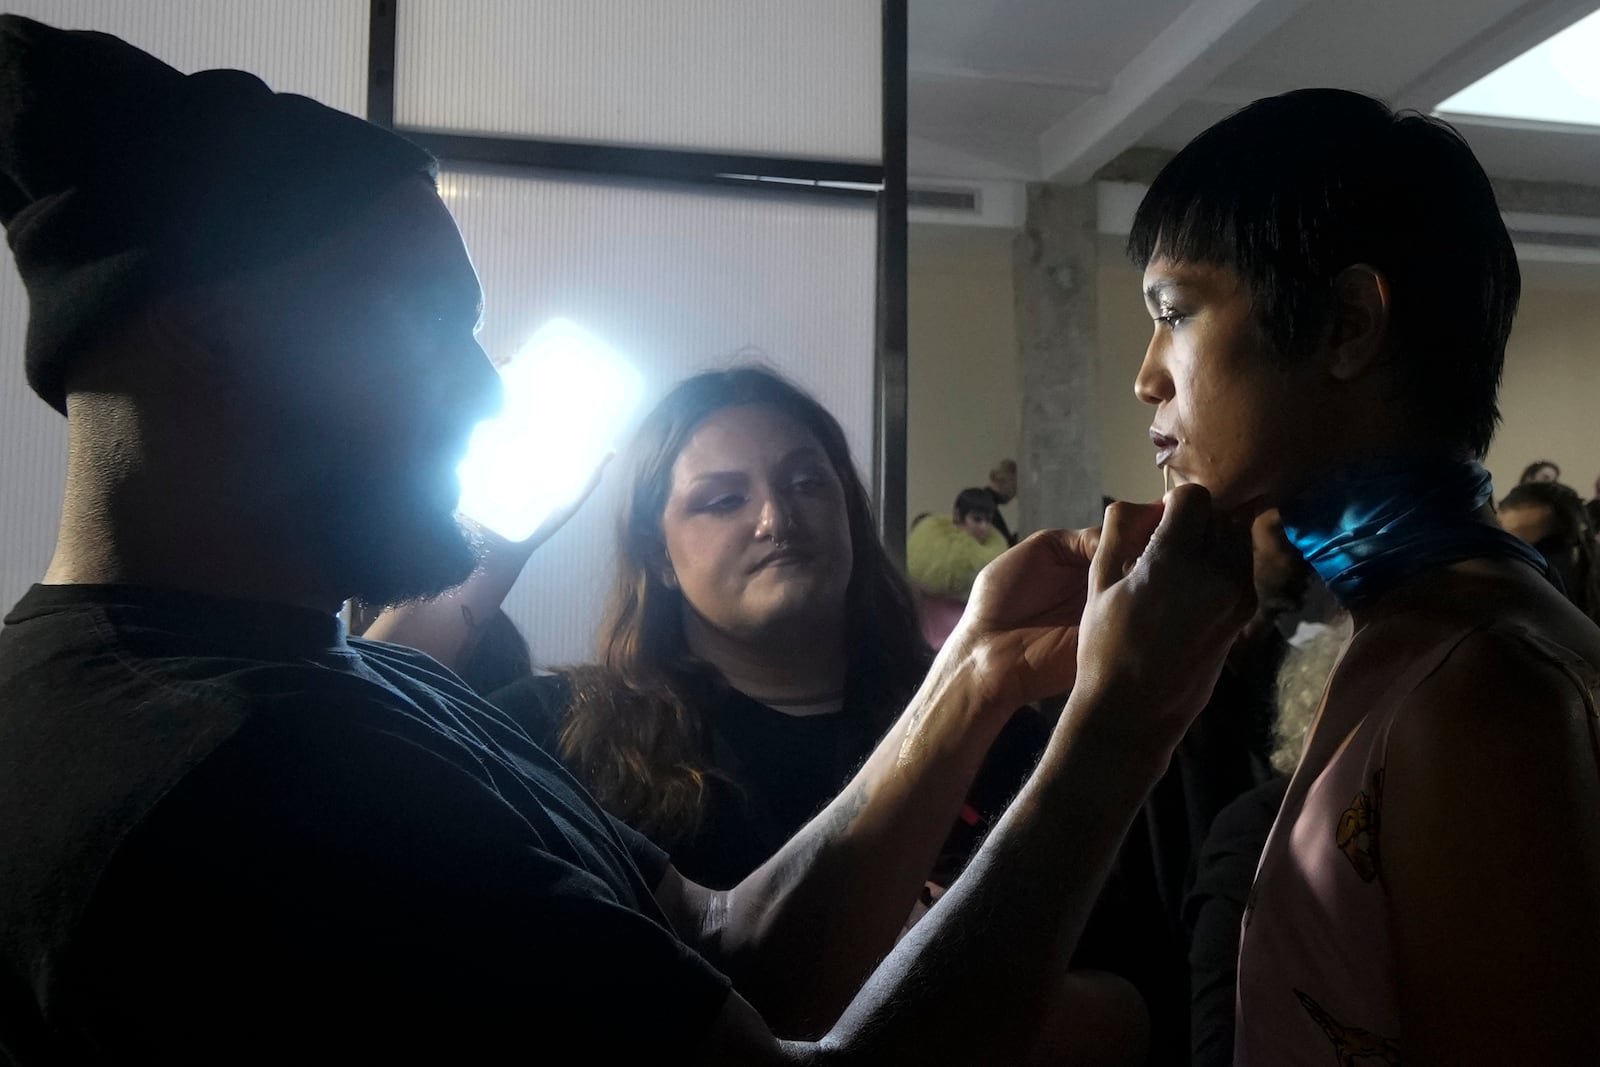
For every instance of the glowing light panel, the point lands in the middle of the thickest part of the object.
(1557, 80)
(568, 397)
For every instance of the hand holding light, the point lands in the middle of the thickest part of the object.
(568, 398)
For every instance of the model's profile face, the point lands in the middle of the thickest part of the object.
(1229, 414)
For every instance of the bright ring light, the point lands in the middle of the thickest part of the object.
(568, 396)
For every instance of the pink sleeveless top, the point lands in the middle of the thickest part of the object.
(1317, 977)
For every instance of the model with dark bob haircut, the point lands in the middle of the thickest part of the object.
(1331, 286)
(1299, 186)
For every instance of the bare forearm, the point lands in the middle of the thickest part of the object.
(997, 946)
(802, 932)
(448, 626)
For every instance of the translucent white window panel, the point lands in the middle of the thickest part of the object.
(33, 455)
(317, 48)
(770, 77)
(677, 281)
(1557, 80)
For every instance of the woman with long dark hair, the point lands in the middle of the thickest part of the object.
(758, 639)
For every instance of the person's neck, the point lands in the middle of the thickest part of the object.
(121, 525)
(1364, 445)
(792, 667)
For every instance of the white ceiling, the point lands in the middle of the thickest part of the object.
(1054, 89)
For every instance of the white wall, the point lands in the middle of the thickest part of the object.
(962, 412)
(677, 281)
(1550, 396)
(771, 78)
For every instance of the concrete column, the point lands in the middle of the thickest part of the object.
(1054, 271)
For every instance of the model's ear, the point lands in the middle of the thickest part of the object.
(1360, 322)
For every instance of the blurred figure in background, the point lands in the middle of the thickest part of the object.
(1591, 508)
(1003, 488)
(944, 555)
(1551, 517)
(1540, 470)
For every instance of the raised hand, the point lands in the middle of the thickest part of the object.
(499, 555)
(1169, 590)
(1021, 623)
(448, 626)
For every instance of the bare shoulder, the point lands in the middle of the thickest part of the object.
(1504, 686)
(1497, 744)
(1491, 856)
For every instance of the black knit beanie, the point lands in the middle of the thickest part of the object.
(122, 180)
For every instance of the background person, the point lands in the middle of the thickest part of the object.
(1540, 470)
(944, 554)
(1551, 517)
(1003, 488)
(1591, 508)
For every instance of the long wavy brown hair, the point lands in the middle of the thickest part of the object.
(635, 728)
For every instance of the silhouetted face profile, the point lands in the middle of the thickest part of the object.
(359, 381)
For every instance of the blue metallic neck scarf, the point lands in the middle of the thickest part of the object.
(1370, 526)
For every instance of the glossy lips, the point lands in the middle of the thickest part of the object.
(1165, 445)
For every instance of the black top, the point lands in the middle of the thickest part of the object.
(1214, 911)
(229, 835)
(776, 771)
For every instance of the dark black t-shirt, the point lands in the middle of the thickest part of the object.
(228, 835)
(1214, 912)
(776, 771)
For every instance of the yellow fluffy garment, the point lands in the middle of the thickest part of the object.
(944, 559)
